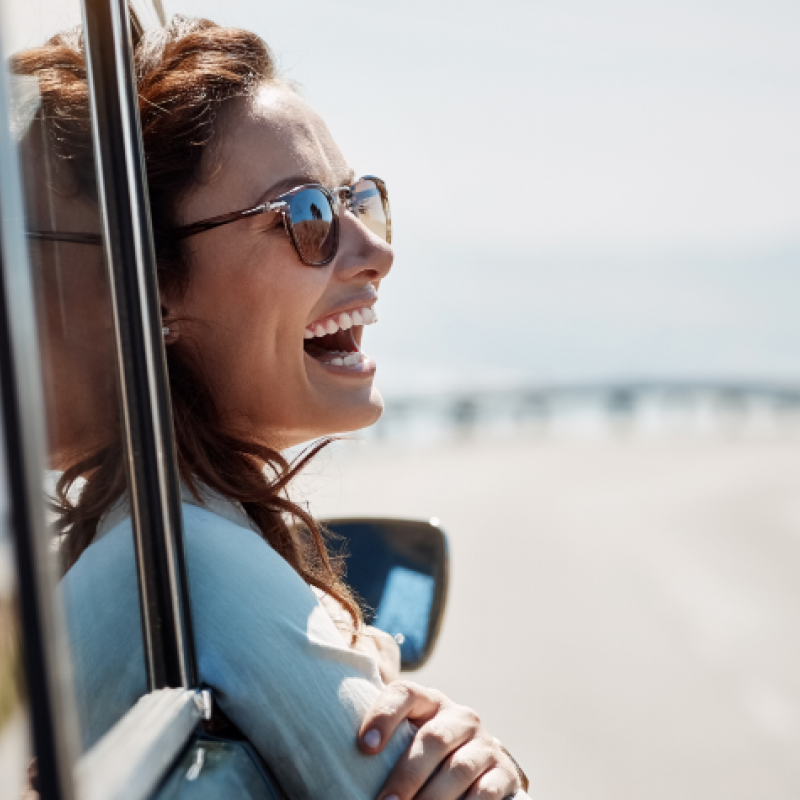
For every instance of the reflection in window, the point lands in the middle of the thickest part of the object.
(75, 324)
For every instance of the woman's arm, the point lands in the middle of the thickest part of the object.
(452, 754)
(319, 693)
(278, 667)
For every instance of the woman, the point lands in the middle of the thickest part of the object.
(271, 256)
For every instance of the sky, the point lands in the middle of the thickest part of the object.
(579, 190)
(631, 123)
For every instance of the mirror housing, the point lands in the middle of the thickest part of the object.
(400, 569)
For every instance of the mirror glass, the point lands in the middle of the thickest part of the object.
(399, 568)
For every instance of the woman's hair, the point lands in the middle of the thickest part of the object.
(186, 73)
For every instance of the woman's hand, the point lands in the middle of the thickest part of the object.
(451, 756)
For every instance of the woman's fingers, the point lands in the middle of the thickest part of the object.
(496, 784)
(460, 771)
(451, 755)
(430, 751)
(398, 701)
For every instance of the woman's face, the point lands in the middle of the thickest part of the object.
(250, 299)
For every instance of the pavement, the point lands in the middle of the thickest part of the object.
(624, 614)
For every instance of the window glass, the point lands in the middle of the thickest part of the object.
(86, 480)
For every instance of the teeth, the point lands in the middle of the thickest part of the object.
(345, 321)
(341, 358)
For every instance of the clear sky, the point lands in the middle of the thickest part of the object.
(579, 189)
(669, 121)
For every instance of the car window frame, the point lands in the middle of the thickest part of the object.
(154, 487)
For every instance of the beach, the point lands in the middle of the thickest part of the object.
(624, 614)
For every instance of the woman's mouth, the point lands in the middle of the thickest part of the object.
(334, 341)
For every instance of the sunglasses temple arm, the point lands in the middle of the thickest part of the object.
(226, 219)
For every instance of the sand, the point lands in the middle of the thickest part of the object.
(624, 615)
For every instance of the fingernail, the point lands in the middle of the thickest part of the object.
(372, 739)
(391, 797)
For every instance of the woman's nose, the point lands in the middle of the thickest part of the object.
(362, 253)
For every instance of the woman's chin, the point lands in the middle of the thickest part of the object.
(348, 417)
(374, 410)
(329, 419)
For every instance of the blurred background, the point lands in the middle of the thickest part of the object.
(589, 349)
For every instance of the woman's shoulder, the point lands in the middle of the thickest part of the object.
(226, 559)
(237, 581)
(221, 553)
(273, 656)
(220, 541)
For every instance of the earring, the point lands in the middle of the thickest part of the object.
(170, 334)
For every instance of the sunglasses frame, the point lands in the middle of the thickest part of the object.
(281, 205)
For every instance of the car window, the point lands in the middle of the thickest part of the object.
(85, 478)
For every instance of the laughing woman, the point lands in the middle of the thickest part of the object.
(271, 254)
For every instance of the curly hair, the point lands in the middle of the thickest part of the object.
(186, 73)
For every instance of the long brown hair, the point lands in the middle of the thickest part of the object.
(186, 73)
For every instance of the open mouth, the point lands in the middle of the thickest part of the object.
(334, 341)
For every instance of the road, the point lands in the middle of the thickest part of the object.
(625, 615)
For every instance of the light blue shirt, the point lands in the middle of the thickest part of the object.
(278, 666)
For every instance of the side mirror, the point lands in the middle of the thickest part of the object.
(400, 569)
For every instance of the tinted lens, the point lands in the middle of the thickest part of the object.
(312, 221)
(371, 205)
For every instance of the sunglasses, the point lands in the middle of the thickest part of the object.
(310, 216)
